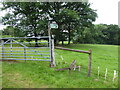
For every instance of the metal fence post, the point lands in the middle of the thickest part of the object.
(2, 49)
(11, 47)
(25, 54)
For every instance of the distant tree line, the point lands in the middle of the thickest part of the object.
(99, 34)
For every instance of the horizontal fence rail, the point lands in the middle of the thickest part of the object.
(27, 51)
(23, 53)
(24, 59)
(26, 42)
(25, 37)
(28, 56)
(26, 47)
(81, 51)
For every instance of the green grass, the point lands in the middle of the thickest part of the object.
(38, 74)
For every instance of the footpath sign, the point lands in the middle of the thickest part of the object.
(54, 25)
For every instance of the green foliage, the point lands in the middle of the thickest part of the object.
(25, 16)
(107, 34)
(11, 31)
(32, 17)
(98, 34)
(8, 31)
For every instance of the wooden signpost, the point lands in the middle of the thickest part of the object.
(51, 42)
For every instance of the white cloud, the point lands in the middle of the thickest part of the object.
(107, 11)
(2, 13)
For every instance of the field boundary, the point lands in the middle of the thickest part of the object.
(24, 52)
(81, 51)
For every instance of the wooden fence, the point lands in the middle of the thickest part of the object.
(81, 51)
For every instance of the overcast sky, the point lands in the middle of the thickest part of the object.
(107, 11)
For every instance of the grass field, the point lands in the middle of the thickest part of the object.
(38, 74)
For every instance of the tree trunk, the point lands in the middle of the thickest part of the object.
(36, 40)
(36, 44)
(69, 39)
(62, 42)
(56, 42)
(58, 35)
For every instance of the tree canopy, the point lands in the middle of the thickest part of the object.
(31, 18)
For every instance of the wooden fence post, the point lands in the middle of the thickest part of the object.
(52, 64)
(89, 63)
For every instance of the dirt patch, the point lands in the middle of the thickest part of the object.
(10, 61)
(18, 80)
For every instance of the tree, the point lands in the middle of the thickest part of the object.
(25, 16)
(86, 17)
(71, 16)
(106, 34)
(112, 33)
(33, 17)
